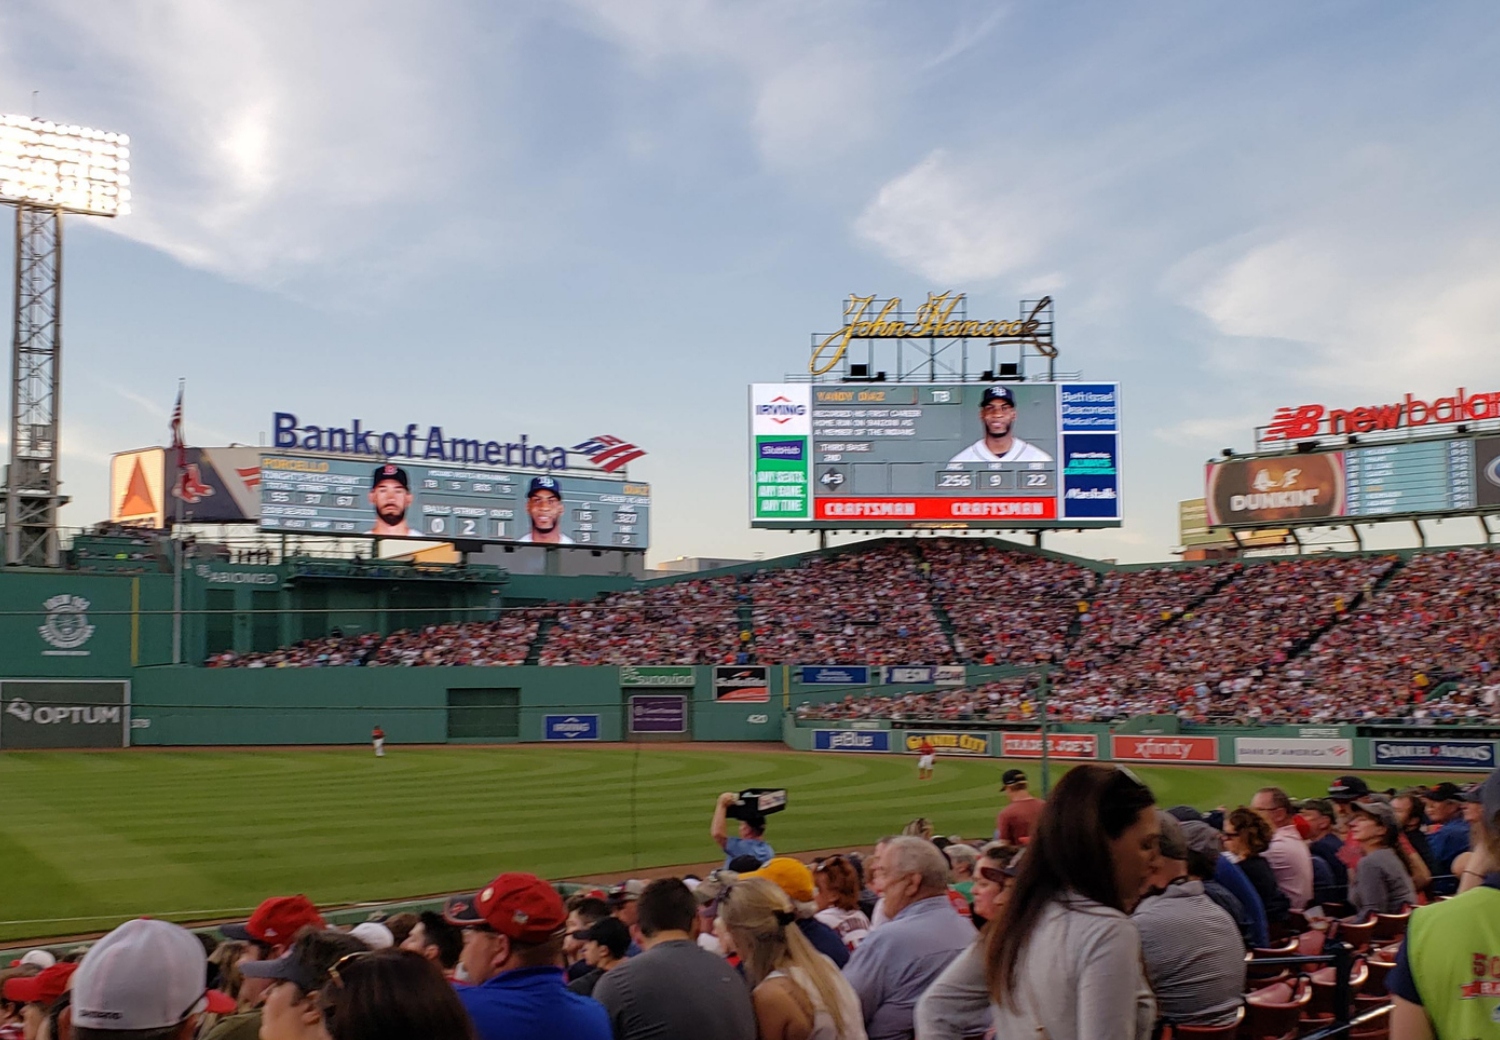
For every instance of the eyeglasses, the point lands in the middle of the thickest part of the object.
(333, 972)
(1130, 775)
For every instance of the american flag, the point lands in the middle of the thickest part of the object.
(608, 453)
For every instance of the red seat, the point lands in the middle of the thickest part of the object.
(1390, 926)
(1226, 1032)
(1272, 1013)
(1325, 983)
(1355, 934)
(1310, 943)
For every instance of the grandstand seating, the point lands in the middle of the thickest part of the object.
(1293, 639)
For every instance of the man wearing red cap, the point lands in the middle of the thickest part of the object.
(513, 936)
(36, 994)
(270, 933)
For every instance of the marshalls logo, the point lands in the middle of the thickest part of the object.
(67, 626)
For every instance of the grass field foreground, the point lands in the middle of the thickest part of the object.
(89, 839)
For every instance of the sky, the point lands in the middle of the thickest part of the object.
(574, 217)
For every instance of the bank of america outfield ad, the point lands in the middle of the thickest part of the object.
(895, 455)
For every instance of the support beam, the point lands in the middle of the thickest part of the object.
(1421, 534)
(33, 485)
(1296, 538)
(1359, 542)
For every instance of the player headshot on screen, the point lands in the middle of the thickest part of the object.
(544, 505)
(390, 494)
(997, 414)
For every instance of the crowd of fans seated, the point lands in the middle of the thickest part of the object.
(1304, 639)
(686, 622)
(871, 606)
(1091, 912)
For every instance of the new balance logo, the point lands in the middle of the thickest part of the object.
(1290, 424)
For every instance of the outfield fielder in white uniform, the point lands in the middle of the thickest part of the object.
(997, 413)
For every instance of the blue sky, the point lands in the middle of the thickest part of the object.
(586, 216)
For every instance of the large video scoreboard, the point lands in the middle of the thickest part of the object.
(999, 455)
(1399, 478)
(340, 496)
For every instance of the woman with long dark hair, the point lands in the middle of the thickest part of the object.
(1063, 959)
(391, 994)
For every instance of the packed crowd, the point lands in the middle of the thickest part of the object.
(872, 607)
(1308, 639)
(1091, 914)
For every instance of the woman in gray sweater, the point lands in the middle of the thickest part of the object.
(1382, 881)
(1063, 959)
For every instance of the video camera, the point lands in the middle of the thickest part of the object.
(756, 803)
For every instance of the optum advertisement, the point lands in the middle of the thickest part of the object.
(42, 714)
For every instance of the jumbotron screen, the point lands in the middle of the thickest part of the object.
(1448, 475)
(303, 494)
(899, 455)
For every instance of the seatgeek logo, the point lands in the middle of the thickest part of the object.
(790, 451)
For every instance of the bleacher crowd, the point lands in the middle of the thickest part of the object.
(1314, 639)
(1091, 914)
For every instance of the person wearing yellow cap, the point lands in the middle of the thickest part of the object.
(796, 881)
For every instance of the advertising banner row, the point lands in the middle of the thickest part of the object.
(1281, 752)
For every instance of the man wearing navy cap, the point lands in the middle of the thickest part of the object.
(544, 505)
(997, 414)
(390, 494)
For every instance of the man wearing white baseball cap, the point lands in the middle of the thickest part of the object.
(148, 978)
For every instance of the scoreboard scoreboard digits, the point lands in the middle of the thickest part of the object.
(310, 495)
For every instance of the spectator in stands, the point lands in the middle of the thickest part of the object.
(269, 933)
(582, 913)
(1382, 881)
(1443, 982)
(1324, 846)
(900, 959)
(436, 940)
(794, 991)
(605, 943)
(1064, 960)
(30, 998)
(401, 925)
(752, 832)
(1287, 855)
(145, 978)
(1205, 854)
(797, 882)
(992, 879)
(1018, 819)
(964, 859)
(12, 1026)
(513, 933)
(1228, 875)
(1194, 954)
(1247, 836)
(291, 1005)
(1411, 814)
(837, 896)
(674, 990)
(1451, 835)
(391, 994)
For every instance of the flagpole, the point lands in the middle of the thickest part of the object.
(177, 442)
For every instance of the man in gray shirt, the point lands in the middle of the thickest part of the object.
(675, 990)
(899, 960)
(1195, 957)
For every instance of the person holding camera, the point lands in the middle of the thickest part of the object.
(751, 839)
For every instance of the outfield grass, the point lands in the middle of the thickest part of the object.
(89, 839)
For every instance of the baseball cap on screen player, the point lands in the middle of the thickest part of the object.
(997, 393)
(390, 471)
(544, 484)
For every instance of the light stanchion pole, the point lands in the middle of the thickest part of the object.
(1043, 692)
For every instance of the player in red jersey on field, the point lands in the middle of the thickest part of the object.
(928, 755)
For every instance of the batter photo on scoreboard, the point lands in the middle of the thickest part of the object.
(544, 506)
(998, 441)
(390, 494)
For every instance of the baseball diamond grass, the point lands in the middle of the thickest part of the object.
(89, 839)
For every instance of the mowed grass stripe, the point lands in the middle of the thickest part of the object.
(162, 832)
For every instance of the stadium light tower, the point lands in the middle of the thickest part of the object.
(46, 169)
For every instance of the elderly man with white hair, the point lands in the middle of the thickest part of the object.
(898, 961)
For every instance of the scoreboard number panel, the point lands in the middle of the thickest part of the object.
(1001, 455)
(329, 495)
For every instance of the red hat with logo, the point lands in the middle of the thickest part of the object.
(277, 921)
(522, 907)
(42, 988)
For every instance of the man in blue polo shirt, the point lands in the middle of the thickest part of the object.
(513, 934)
(751, 840)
